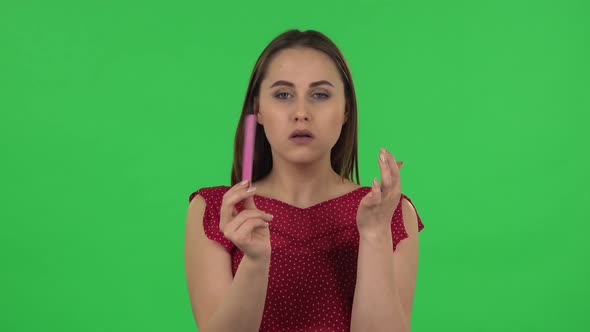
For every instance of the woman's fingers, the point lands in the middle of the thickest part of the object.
(241, 218)
(386, 174)
(393, 164)
(389, 168)
(232, 197)
(249, 226)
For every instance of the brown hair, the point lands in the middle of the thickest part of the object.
(344, 153)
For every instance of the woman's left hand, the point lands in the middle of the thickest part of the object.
(376, 209)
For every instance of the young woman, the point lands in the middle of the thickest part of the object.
(301, 247)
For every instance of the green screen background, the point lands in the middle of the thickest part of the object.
(113, 112)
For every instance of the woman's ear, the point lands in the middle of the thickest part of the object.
(256, 110)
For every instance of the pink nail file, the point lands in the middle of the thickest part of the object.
(248, 153)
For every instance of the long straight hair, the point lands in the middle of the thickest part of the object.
(344, 156)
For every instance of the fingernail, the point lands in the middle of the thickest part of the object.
(382, 157)
(251, 189)
(268, 215)
(243, 183)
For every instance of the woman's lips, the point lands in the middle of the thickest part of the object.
(301, 139)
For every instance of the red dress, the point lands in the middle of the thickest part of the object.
(314, 258)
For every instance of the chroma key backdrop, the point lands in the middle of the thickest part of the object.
(113, 112)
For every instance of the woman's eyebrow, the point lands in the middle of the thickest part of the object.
(311, 85)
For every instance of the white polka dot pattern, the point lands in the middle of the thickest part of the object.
(314, 258)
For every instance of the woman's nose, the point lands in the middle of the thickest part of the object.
(301, 113)
(301, 116)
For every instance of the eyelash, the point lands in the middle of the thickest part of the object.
(317, 93)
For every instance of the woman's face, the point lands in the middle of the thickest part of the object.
(290, 100)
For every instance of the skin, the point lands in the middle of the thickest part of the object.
(302, 174)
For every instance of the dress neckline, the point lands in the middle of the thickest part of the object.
(330, 200)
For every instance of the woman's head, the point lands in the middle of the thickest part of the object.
(284, 97)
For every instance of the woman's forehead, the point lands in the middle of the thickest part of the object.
(301, 67)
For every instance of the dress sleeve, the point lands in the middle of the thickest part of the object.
(213, 197)
(397, 228)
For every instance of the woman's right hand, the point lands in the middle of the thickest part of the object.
(248, 230)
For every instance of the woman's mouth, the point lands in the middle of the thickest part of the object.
(301, 139)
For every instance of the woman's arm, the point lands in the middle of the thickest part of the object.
(242, 307)
(220, 301)
(385, 280)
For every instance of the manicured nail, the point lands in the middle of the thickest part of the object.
(382, 157)
(251, 189)
(243, 183)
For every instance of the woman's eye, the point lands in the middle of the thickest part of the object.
(281, 93)
(323, 94)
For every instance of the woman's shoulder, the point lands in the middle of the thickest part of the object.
(351, 186)
(348, 186)
(209, 193)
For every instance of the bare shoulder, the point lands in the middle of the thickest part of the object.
(350, 186)
(410, 217)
